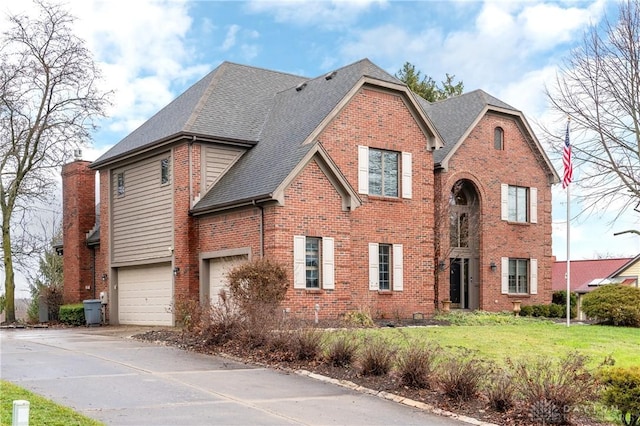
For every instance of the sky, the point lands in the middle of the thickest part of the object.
(151, 51)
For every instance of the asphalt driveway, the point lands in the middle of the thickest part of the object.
(105, 375)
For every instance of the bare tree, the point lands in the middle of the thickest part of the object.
(598, 87)
(49, 100)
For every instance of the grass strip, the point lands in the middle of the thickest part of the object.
(41, 410)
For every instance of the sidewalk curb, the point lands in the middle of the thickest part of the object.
(395, 398)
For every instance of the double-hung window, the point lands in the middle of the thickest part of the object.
(385, 267)
(313, 262)
(519, 276)
(384, 173)
(519, 204)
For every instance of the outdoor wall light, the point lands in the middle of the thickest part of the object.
(104, 277)
(441, 265)
(176, 271)
(493, 266)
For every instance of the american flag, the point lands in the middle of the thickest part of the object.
(566, 160)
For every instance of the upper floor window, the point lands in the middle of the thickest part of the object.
(165, 175)
(519, 204)
(498, 138)
(384, 173)
(385, 267)
(120, 178)
(519, 276)
(313, 262)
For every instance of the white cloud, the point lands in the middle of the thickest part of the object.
(230, 39)
(142, 53)
(325, 14)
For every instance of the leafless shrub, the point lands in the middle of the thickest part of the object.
(257, 284)
(461, 375)
(416, 365)
(554, 390)
(342, 351)
(501, 392)
(307, 343)
(376, 357)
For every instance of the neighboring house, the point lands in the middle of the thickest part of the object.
(584, 271)
(587, 275)
(371, 197)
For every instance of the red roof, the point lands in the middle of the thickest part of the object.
(584, 271)
(586, 288)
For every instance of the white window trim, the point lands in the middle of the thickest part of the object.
(533, 203)
(327, 278)
(533, 276)
(397, 274)
(406, 176)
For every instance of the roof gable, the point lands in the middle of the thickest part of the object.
(456, 117)
(286, 138)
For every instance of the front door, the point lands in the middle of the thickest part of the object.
(459, 283)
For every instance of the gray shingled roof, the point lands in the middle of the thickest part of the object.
(231, 102)
(453, 116)
(294, 116)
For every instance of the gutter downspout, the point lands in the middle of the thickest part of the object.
(261, 228)
(93, 270)
(191, 172)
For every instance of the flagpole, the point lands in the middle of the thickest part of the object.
(568, 298)
(566, 182)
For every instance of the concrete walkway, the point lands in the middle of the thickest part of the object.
(107, 376)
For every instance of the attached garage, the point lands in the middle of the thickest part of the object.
(218, 268)
(144, 295)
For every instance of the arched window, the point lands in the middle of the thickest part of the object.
(498, 138)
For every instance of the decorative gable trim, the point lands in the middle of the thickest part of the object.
(526, 130)
(428, 129)
(350, 199)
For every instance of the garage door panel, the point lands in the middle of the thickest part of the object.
(144, 295)
(218, 268)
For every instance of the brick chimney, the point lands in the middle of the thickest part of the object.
(78, 218)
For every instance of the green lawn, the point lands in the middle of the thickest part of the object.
(520, 338)
(41, 410)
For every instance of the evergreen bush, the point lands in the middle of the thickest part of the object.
(622, 390)
(613, 304)
(72, 314)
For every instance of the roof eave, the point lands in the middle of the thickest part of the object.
(249, 201)
(170, 140)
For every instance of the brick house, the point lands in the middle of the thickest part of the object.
(371, 197)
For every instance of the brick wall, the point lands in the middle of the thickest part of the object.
(313, 208)
(477, 160)
(382, 120)
(79, 217)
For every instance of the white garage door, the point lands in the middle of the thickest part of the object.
(144, 295)
(218, 268)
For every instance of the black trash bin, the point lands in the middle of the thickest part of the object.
(92, 311)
